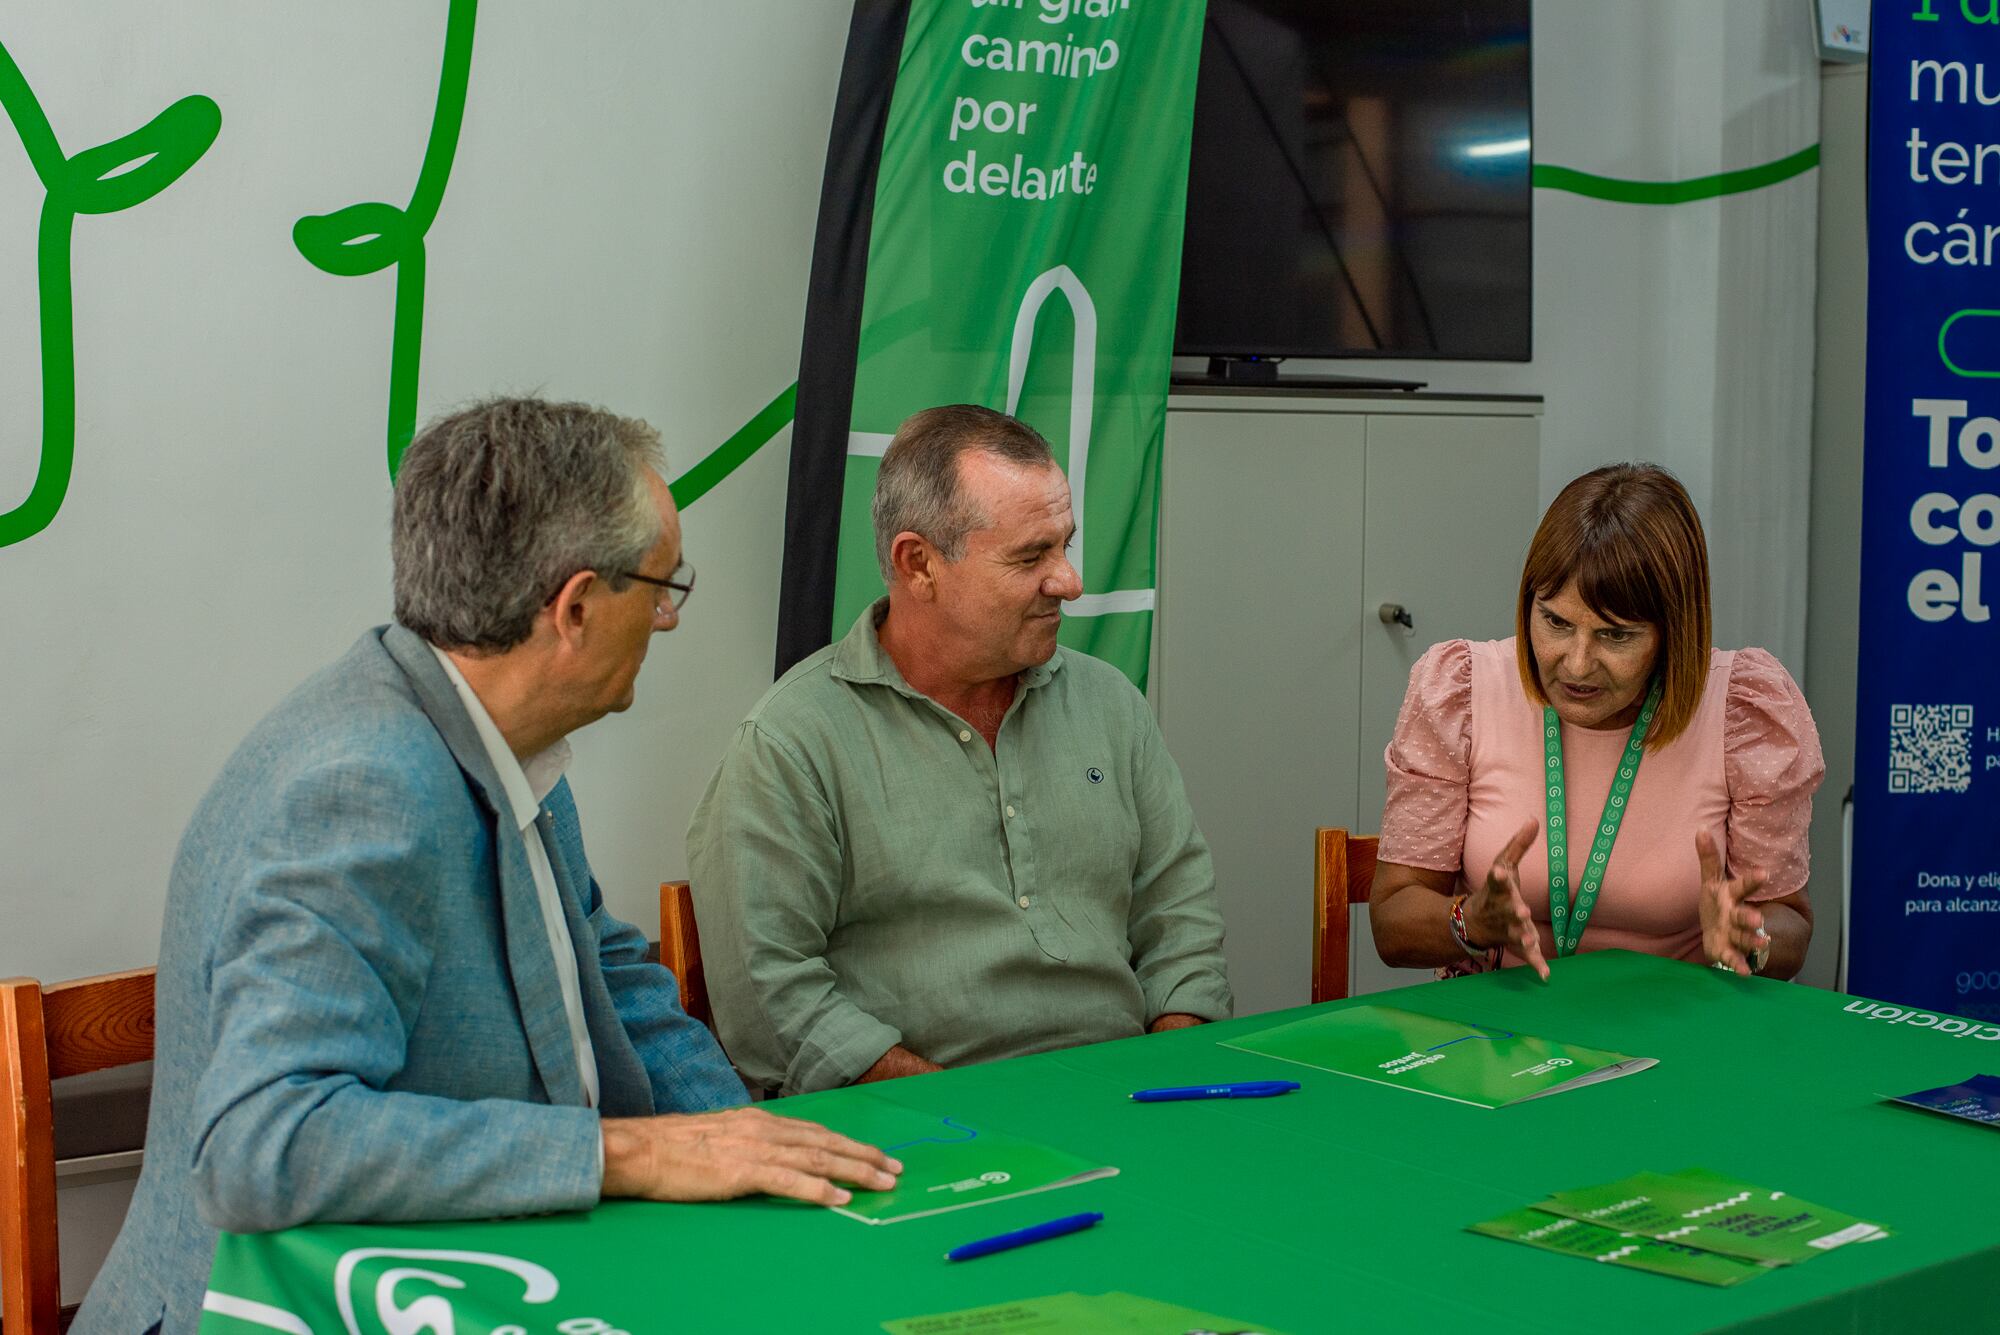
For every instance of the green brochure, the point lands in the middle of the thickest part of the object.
(1100, 1314)
(1697, 1208)
(1469, 1063)
(948, 1163)
(1594, 1242)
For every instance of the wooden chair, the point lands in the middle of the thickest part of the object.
(680, 949)
(71, 1028)
(1343, 869)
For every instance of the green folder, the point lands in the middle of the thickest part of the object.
(948, 1163)
(1488, 1067)
(1609, 1246)
(1697, 1208)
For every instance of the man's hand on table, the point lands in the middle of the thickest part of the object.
(1174, 1020)
(718, 1156)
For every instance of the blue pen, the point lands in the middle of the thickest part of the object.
(1021, 1237)
(1249, 1089)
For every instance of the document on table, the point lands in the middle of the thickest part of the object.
(1099, 1313)
(1609, 1246)
(948, 1163)
(1697, 1208)
(1487, 1067)
(1976, 1099)
(1693, 1224)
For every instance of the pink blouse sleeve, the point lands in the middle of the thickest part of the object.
(1772, 763)
(1423, 822)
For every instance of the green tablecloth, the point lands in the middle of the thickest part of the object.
(1339, 1207)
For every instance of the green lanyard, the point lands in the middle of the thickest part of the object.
(1569, 926)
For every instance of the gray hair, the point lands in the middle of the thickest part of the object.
(498, 504)
(918, 489)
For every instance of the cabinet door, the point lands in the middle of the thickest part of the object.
(1259, 666)
(1451, 507)
(1451, 510)
(1452, 503)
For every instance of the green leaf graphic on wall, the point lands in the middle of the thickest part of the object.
(776, 415)
(109, 178)
(367, 238)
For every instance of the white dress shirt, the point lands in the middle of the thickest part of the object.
(527, 783)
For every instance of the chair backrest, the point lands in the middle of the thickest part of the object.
(91, 1024)
(1343, 868)
(680, 949)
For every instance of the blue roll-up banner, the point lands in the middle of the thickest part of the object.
(1926, 859)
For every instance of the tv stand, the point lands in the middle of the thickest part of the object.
(1262, 372)
(1244, 370)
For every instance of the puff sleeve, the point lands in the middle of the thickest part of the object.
(1772, 765)
(1427, 763)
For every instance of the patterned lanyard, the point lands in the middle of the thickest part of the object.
(1569, 927)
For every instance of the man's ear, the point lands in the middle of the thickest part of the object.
(569, 610)
(915, 563)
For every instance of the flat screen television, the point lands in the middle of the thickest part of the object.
(1359, 185)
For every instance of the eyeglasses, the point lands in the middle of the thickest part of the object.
(678, 585)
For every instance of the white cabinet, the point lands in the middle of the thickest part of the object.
(1287, 522)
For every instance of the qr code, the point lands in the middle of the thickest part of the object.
(1930, 748)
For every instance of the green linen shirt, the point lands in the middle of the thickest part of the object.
(867, 872)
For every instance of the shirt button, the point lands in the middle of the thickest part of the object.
(1010, 813)
(964, 735)
(1024, 901)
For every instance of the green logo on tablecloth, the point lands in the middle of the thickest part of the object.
(404, 1291)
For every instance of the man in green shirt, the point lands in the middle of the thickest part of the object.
(941, 839)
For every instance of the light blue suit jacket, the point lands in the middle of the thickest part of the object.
(359, 1013)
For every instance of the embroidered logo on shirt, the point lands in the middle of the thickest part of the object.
(1094, 774)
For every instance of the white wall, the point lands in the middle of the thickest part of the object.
(629, 221)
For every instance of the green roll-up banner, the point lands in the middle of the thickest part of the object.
(1018, 242)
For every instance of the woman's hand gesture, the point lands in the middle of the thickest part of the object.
(1495, 913)
(1731, 929)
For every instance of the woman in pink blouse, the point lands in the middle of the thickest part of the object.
(1674, 780)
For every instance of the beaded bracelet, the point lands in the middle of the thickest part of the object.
(1458, 928)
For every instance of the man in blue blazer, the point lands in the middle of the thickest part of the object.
(388, 986)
